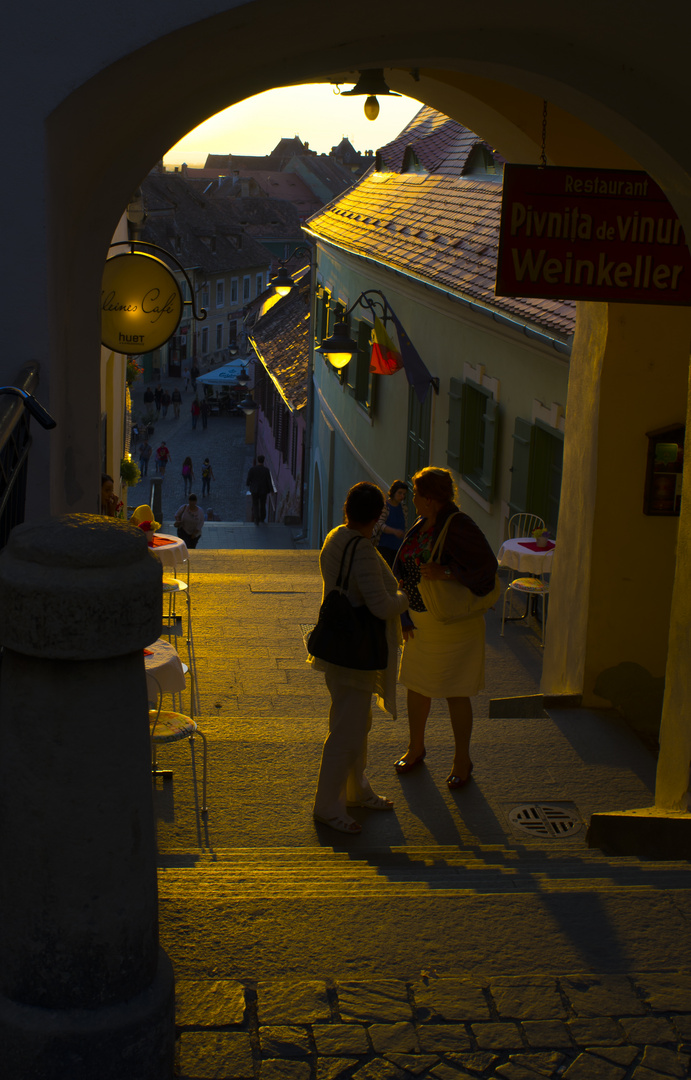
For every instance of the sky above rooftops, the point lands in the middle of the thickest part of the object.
(320, 118)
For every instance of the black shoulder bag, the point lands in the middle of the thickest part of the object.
(351, 637)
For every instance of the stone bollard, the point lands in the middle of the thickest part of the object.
(85, 990)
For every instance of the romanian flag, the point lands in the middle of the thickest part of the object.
(385, 358)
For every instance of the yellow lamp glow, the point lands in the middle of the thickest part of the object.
(371, 107)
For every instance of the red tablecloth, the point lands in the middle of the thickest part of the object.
(532, 545)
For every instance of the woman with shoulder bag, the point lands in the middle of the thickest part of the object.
(189, 522)
(443, 658)
(342, 780)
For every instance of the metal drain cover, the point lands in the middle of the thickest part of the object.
(545, 821)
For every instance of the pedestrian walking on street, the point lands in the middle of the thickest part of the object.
(165, 403)
(145, 452)
(189, 521)
(195, 410)
(207, 477)
(158, 398)
(442, 659)
(194, 374)
(162, 459)
(186, 377)
(176, 398)
(204, 407)
(342, 780)
(187, 474)
(260, 485)
(149, 399)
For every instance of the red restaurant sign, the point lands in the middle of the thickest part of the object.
(590, 234)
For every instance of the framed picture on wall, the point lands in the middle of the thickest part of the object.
(664, 471)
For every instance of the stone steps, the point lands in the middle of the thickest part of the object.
(407, 872)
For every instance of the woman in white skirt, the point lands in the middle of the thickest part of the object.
(342, 781)
(442, 659)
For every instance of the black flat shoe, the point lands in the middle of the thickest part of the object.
(459, 781)
(403, 766)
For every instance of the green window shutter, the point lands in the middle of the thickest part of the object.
(453, 445)
(362, 372)
(322, 316)
(520, 466)
(490, 444)
(544, 478)
(336, 314)
(472, 432)
(479, 437)
(419, 423)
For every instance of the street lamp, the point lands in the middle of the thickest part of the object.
(283, 281)
(243, 378)
(248, 404)
(371, 83)
(339, 349)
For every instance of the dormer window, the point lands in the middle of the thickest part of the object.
(412, 163)
(482, 163)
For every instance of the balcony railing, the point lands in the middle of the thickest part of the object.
(15, 443)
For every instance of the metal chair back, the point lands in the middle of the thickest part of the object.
(524, 525)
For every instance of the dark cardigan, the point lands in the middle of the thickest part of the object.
(466, 550)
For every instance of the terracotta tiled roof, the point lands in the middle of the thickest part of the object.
(282, 339)
(442, 227)
(199, 231)
(275, 185)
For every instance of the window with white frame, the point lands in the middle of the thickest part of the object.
(260, 283)
(246, 287)
(234, 290)
(205, 294)
(220, 293)
(205, 339)
(219, 335)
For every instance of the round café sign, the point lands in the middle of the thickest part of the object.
(141, 303)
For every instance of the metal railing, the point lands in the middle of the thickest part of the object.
(16, 405)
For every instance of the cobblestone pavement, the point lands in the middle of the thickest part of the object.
(223, 441)
(583, 1027)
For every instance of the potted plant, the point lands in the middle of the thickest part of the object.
(134, 370)
(129, 472)
(541, 537)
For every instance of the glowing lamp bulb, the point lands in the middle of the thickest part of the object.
(339, 360)
(371, 107)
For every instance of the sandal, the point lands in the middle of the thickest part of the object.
(374, 802)
(340, 824)
(454, 781)
(406, 764)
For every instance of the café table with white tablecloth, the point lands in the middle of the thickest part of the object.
(165, 671)
(169, 550)
(522, 554)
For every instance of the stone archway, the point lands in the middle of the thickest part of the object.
(110, 130)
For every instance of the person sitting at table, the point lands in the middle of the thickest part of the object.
(189, 522)
(110, 503)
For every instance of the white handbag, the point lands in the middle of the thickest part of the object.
(448, 600)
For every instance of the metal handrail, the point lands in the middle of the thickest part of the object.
(16, 405)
